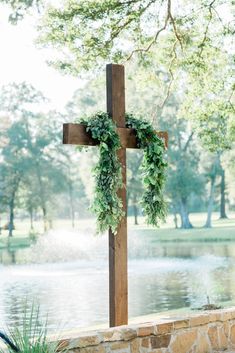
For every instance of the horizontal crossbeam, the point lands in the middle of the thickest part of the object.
(76, 134)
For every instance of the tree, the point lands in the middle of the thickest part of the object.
(127, 28)
(4, 125)
(209, 106)
(13, 168)
(9, 188)
(19, 8)
(227, 162)
(208, 102)
(30, 153)
(43, 146)
(75, 190)
(31, 197)
(184, 179)
(15, 101)
(223, 214)
(212, 172)
(17, 97)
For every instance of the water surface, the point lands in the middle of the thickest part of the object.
(67, 274)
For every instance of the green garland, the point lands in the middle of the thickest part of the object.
(107, 206)
(153, 169)
(108, 179)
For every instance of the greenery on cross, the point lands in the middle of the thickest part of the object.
(108, 178)
(106, 205)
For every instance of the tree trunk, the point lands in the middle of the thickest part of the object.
(175, 220)
(31, 218)
(185, 222)
(210, 203)
(222, 195)
(42, 197)
(127, 201)
(44, 212)
(12, 206)
(135, 209)
(11, 220)
(41, 186)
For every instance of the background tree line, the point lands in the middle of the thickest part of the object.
(41, 178)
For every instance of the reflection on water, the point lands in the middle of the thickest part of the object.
(67, 274)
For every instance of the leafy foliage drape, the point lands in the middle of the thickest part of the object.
(107, 206)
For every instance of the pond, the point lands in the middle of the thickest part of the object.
(66, 273)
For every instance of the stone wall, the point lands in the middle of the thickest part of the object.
(209, 332)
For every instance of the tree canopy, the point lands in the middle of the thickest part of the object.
(87, 33)
(188, 44)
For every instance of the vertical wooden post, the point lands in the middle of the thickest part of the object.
(118, 282)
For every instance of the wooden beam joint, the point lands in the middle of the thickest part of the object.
(76, 134)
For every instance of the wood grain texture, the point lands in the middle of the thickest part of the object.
(115, 93)
(75, 134)
(118, 278)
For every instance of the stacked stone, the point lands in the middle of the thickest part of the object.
(202, 333)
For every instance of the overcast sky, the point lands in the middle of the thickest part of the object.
(22, 61)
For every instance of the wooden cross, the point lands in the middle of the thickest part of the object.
(75, 134)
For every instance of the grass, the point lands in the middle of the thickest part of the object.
(19, 242)
(29, 337)
(197, 234)
(222, 230)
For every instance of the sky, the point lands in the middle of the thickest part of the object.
(22, 61)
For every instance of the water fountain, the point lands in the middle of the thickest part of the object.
(66, 272)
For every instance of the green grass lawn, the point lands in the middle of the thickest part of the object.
(222, 230)
(197, 234)
(15, 242)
